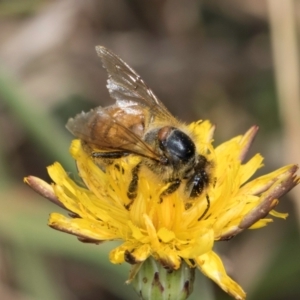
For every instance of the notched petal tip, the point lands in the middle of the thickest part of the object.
(43, 188)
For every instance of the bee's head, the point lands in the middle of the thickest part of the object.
(177, 146)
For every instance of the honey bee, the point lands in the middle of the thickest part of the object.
(139, 124)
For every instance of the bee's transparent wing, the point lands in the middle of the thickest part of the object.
(125, 85)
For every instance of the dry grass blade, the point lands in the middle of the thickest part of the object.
(286, 61)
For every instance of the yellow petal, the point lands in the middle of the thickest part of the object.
(165, 235)
(249, 168)
(142, 252)
(116, 256)
(202, 244)
(84, 228)
(135, 231)
(168, 258)
(261, 223)
(277, 214)
(211, 265)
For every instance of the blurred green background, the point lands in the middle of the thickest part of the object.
(233, 62)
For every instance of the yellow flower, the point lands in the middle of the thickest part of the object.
(176, 229)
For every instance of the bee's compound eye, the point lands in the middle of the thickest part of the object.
(176, 143)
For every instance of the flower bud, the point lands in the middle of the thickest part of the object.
(154, 282)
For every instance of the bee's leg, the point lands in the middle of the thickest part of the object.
(171, 189)
(206, 209)
(133, 185)
(104, 159)
(109, 155)
(197, 183)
